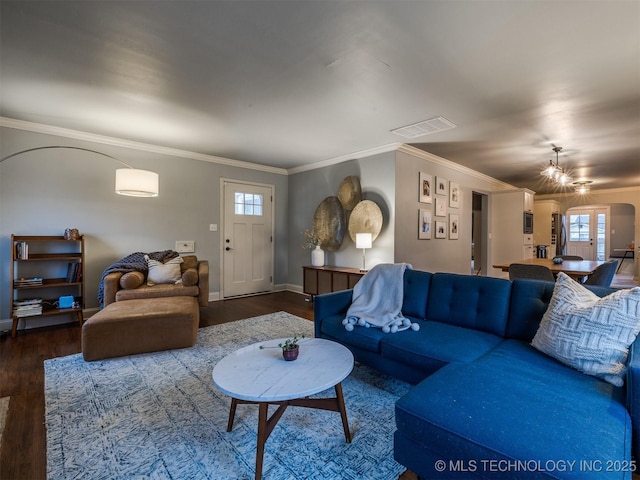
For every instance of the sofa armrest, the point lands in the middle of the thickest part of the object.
(111, 286)
(203, 283)
(330, 304)
(633, 395)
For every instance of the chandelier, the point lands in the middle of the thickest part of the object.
(582, 187)
(553, 171)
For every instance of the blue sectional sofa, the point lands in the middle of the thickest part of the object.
(486, 404)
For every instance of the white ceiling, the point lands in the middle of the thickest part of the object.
(291, 83)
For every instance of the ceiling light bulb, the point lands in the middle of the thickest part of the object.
(563, 178)
(550, 171)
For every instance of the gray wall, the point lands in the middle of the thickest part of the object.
(622, 223)
(306, 191)
(435, 255)
(44, 192)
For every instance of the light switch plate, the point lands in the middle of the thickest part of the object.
(185, 246)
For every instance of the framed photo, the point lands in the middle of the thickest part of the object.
(454, 226)
(441, 229)
(441, 186)
(441, 207)
(424, 224)
(454, 195)
(425, 188)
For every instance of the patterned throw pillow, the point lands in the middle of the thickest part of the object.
(159, 272)
(589, 333)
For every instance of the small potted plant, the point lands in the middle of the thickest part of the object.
(290, 347)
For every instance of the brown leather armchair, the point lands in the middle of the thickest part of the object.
(132, 285)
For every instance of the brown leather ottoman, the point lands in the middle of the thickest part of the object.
(139, 326)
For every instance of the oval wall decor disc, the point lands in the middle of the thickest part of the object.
(330, 224)
(366, 217)
(350, 192)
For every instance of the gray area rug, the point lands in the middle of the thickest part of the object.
(158, 416)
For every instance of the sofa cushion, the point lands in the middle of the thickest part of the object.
(437, 344)
(158, 291)
(415, 293)
(131, 280)
(190, 277)
(159, 272)
(362, 337)
(480, 303)
(188, 261)
(590, 333)
(514, 403)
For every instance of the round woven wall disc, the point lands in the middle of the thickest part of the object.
(366, 217)
(350, 192)
(329, 224)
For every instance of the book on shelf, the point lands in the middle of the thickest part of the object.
(22, 251)
(74, 270)
(27, 307)
(28, 282)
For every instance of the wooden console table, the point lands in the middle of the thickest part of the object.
(318, 280)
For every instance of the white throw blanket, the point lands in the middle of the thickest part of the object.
(377, 300)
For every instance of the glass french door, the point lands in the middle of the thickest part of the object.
(588, 232)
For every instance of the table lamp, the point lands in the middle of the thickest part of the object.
(363, 241)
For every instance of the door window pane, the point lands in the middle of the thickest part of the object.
(601, 236)
(248, 204)
(579, 228)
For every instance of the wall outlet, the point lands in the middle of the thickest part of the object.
(213, 227)
(185, 246)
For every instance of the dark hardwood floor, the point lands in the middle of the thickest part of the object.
(23, 450)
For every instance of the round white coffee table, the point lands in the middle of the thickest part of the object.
(262, 376)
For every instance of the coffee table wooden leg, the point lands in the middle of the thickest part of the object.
(263, 410)
(232, 414)
(343, 412)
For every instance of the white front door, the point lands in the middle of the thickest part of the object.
(247, 239)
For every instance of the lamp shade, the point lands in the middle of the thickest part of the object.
(136, 183)
(363, 240)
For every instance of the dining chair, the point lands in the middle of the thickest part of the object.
(571, 257)
(536, 272)
(603, 275)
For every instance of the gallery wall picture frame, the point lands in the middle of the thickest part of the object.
(425, 187)
(454, 226)
(441, 207)
(442, 186)
(441, 229)
(454, 195)
(424, 224)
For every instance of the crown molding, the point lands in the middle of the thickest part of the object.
(390, 147)
(145, 147)
(416, 152)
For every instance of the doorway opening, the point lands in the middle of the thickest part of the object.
(479, 227)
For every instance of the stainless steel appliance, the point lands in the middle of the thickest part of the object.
(558, 234)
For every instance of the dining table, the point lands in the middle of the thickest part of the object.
(576, 269)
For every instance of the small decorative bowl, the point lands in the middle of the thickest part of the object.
(557, 260)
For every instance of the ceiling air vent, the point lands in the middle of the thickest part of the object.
(427, 127)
